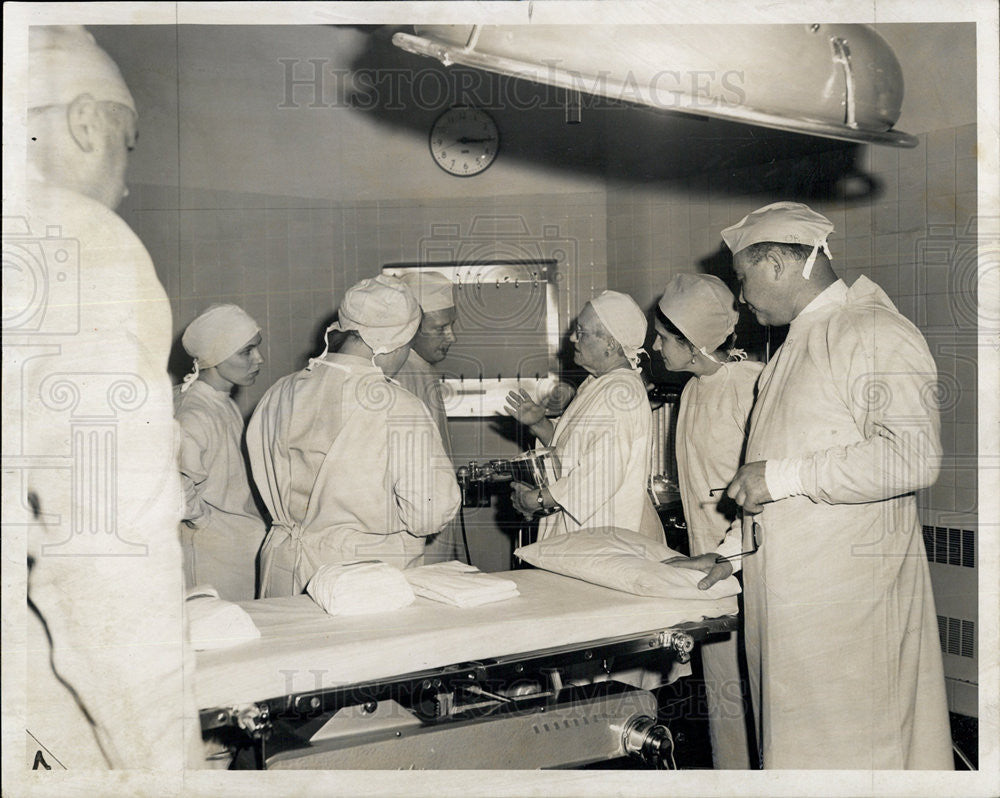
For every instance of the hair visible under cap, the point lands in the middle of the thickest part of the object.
(755, 252)
(671, 328)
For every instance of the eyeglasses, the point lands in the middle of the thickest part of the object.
(755, 530)
(579, 331)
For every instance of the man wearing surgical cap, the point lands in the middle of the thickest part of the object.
(695, 323)
(843, 432)
(105, 648)
(603, 439)
(350, 464)
(435, 294)
(222, 529)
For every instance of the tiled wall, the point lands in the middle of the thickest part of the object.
(288, 260)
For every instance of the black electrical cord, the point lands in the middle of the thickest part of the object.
(465, 538)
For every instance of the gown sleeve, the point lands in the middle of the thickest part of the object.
(193, 470)
(606, 441)
(423, 479)
(888, 380)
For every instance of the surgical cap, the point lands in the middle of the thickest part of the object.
(783, 223)
(382, 310)
(701, 307)
(215, 335)
(432, 289)
(624, 320)
(65, 62)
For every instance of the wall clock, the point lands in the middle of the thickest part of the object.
(464, 141)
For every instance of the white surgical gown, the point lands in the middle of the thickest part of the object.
(711, 430)
(841, 633)
(603, 442)
(222, 530)
(422, 380)
(90, 473)
(350, 466)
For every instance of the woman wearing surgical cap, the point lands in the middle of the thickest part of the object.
(349, 463)
(603, 439)
(222, 530)
(694, 333)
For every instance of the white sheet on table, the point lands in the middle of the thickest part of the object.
(302, 648)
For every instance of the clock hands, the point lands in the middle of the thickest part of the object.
(464, 141)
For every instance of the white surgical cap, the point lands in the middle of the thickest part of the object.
(215, 335)
(382, 310)
(701, 307)
(624, 320)
(432, 289)
(65, 62)
(783, 223)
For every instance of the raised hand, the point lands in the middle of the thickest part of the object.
(522, 407)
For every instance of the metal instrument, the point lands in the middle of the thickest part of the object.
(538, 468)
(663, 487)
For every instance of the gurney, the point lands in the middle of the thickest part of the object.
(435, 686)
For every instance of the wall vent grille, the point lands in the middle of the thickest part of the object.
(958, 636)
(950, 546)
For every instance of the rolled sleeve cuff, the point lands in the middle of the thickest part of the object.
(732, 545)
(783, 478)
(559, 491)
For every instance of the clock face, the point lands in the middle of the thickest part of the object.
(464, 141)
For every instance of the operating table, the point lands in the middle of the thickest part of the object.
(433, 686)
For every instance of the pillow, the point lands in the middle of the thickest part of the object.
(622, 560)
(216, 623)
(359, 588)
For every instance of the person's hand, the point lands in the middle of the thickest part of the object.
(524, 498)
(749, 488)
(522, 407)
(716, 571)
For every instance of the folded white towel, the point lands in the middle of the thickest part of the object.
(216, 623)
(459, 584)
(359, 588)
